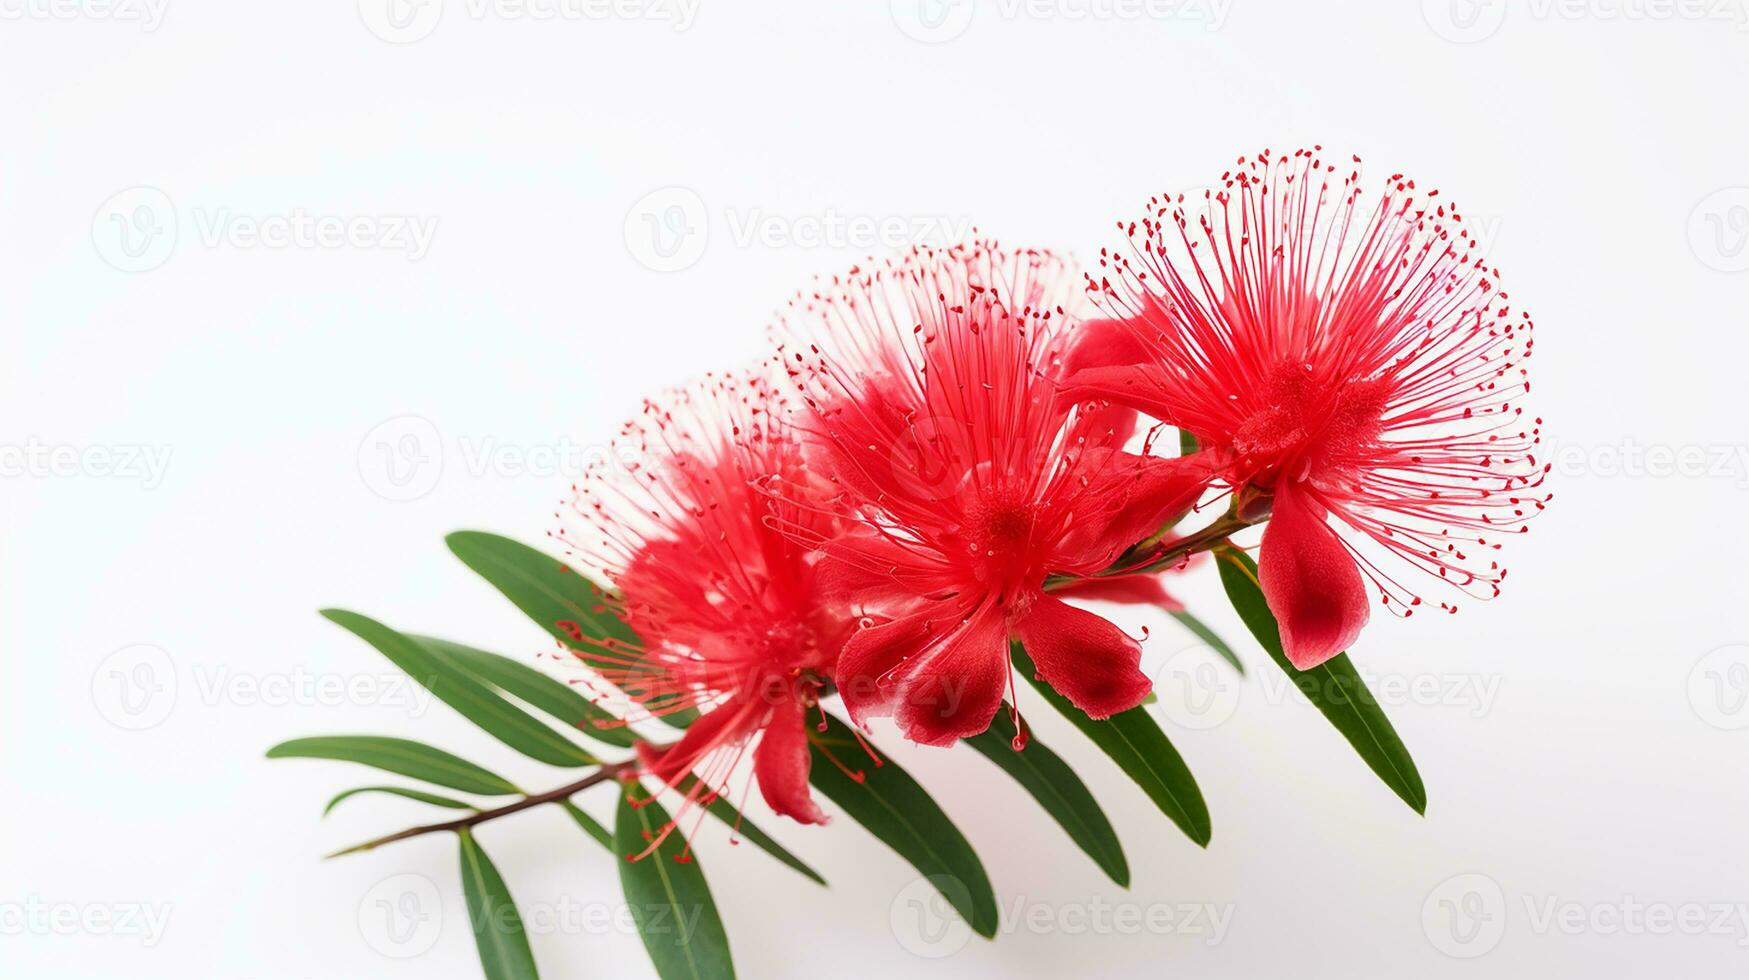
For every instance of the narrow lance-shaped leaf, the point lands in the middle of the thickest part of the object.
(557, 597)
(537, 689)
(894, 808)
(1334, 686)
(725, 811)
(590, 825)
(411, 794)
(457, 688)
(498, 931)
(1135, 742)
(1209, 637)
(1056, 787)
(668, 896)
(398, 755)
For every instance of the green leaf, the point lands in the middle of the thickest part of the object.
(411, 794)
(668, 895)
(725, 811)
(537, 689)
(1140, 749)
(1209, 637)
(1334, 686)
(455, 687)
(894, 808)
(1187, 444)
(1056, 787)
(590, 825)
(498, 931)
(564, 602)
(398, 755)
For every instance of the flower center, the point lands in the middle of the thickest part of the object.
(999, 540)
(1306, 428)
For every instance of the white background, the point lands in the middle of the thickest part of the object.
(1581, 756)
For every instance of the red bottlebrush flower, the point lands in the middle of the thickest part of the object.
(728, 608)
(1335, 356)
(967, 483)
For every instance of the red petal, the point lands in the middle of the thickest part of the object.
(864, 568)
(713, 729)
(1085, 658)
(1141, 590)
(1105, 423)
(1136, 386)
(866, 676)
(1106, 343)
(780, 763)
(954, 693)
(1312, 583)
(1133, 497)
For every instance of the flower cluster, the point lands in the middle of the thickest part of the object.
(950, 444)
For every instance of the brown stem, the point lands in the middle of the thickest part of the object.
(608, 771)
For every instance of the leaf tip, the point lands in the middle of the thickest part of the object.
(457, 541)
